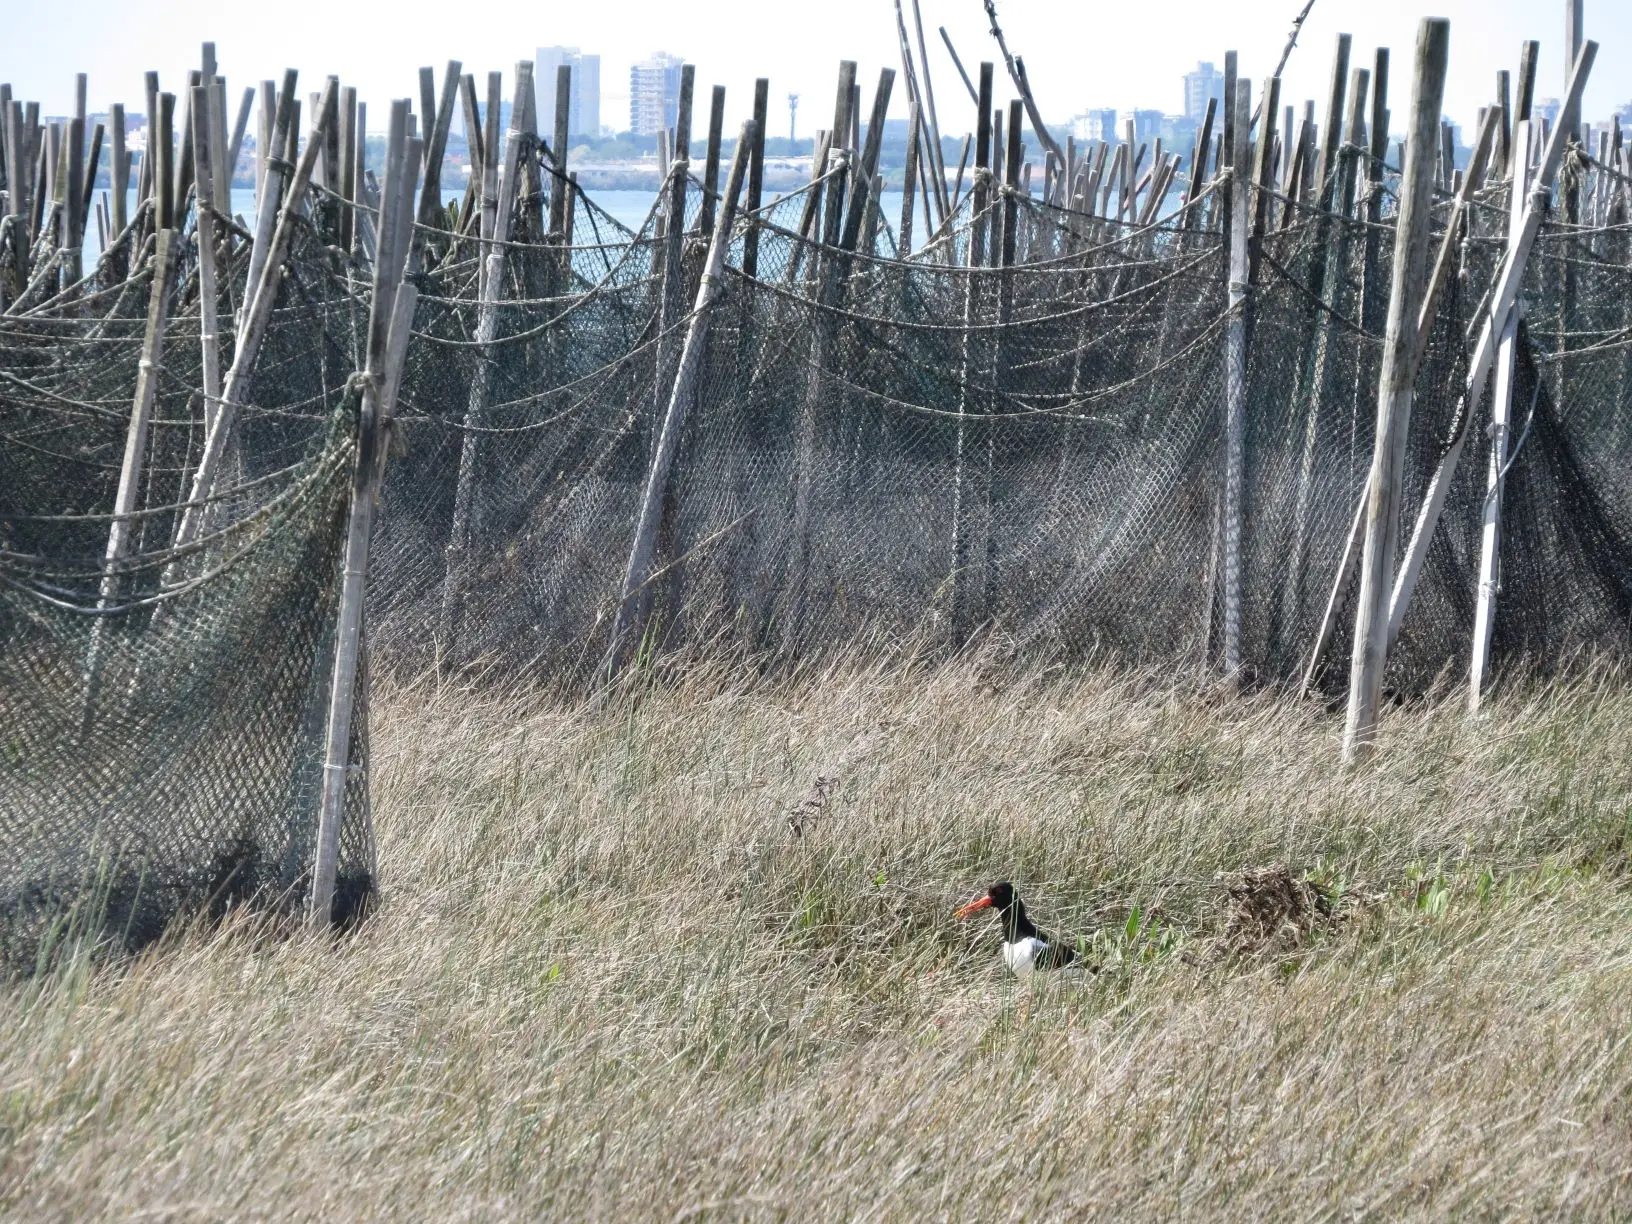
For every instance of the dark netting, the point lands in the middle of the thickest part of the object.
(877, 448)
(1031, 452)
(162, 718)
(1013, 435)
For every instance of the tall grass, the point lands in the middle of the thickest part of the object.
(690, 956)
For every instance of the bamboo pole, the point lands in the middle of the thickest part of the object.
(1235, 377)
(131, 469)
(390, 321)
(813, 201)
(252, 331)
(672, 302)
(1395, 389)
(487, 320)
(682, 396)
(1504, 293)
(935, 162)
(1484, 618)
(473, 145)
(362, 222)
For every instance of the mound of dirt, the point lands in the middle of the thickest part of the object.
(1271, 910)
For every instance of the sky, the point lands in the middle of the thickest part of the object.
(1078, 53)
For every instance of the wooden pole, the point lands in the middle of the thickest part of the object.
(208, 298)
(1331, 129)
(756, 178)
(164, 155)
(672, 302)
(843, 109)
(431, 212)
(240, 125)
(711, 159)
(1484, 618)
(490, 161)
(130, 471)
(282, 119)
(1395, 388)
(861, 183)
(558, 148)
(681, 398)
(390, 321)
(1504, 293)
(257, 317)
(909, 181)
(71, 235)
(487, 321)
(983, 170)
(1235, 375)
(349, 188)
(936, 164)
(119, 176)
(361, 221)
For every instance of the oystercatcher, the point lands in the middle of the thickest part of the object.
(1025, 948)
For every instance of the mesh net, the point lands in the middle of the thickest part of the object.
(1013, 434)
(163, 715)
(883, 448)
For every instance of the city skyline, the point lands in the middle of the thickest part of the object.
(584, 102)
(1070, 75)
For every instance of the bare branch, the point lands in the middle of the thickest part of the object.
(1017, 74)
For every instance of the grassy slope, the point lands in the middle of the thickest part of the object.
(609, 982)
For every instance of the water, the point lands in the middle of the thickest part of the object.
(629, 208)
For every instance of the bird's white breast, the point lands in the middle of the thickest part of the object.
(1021, 955)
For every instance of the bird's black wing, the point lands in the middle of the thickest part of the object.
(1053, 955)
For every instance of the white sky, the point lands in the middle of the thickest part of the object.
(1078, 54)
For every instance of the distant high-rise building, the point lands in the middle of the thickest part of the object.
(1095, 125)
(654, 94)
(1546, 108)
(584, 111)
(1204, 83)
(1147, 125)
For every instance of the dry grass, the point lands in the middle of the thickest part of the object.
(610, 982)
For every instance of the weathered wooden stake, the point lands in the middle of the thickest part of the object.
(1235, 375)
(681, 398)
(257, 316)
(558, 148)
(1395, 388)
(711, 159)
(390, 321)
(756, 179)
(130, 471)
(1504, 293)
(431, 212)
(1484, 617)
(208, 298)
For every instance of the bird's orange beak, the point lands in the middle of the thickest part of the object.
(975, 906)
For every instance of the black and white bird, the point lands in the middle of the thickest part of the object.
(1025, 948)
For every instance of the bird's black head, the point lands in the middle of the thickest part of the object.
(1010, 909)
